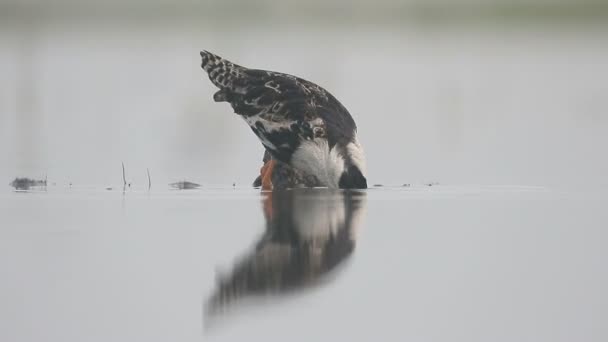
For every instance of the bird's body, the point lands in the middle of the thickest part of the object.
(309, 137)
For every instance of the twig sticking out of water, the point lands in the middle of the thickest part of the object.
(124, 178)
(149, 179)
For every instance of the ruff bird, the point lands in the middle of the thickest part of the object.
(309, 136)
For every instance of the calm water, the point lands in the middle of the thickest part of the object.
(441, 263)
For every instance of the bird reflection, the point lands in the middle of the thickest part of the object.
(309, 232)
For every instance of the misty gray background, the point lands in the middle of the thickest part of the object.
(501, 104)
(455, 93)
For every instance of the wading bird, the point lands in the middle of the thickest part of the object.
(309, 137)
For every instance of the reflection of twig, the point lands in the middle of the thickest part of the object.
(149, 180)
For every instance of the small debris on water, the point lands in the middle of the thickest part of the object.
(27, 183)
(184, 185)
(432, 184)
(406, 185)
(378, 185)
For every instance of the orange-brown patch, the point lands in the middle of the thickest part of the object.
(266, 173)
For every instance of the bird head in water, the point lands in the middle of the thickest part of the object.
(309, 137)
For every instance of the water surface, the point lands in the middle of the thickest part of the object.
(438, 263)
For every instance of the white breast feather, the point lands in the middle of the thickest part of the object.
(313, 157)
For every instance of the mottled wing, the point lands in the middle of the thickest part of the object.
(281, 109)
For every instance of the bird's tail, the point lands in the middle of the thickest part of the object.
(222, 73)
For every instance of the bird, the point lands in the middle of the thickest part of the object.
(309, 137)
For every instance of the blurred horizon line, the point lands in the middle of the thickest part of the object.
(385, 13)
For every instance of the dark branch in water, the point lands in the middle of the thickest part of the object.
(184, 185)
(27, 183)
